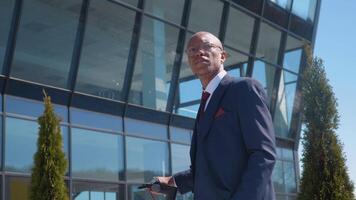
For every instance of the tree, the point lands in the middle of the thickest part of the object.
(47, 179)
(324, 175)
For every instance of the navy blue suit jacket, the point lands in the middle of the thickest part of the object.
(233, 146)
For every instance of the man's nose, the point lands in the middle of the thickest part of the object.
(199, 53)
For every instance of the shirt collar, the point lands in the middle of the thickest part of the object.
(213, 84)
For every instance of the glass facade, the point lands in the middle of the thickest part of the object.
(120, 82)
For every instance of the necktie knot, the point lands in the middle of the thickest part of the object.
(204, 96)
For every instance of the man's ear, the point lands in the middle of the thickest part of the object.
(224, 56)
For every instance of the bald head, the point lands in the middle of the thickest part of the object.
(210, 37)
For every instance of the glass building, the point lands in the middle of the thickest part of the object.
(119, 79)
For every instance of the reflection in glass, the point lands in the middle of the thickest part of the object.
(146, 129)
(293, 54)
(32, 108)
(277, 177)
(17, 188)
(285, 103)
(180, 158)
(305, 9)
(163, 9)
(105, 49)
(268, 43)
(265, 74)
(140, 194)
(180, 134)
(154, 63)
(97, 120)
(211, 20)
(97, 155)
(289, 177)
(24, 134)
(146, 159)
(286, 4)
(6, 8)
(97, 191)
(237, 37)
(45, 41)
(236, 61)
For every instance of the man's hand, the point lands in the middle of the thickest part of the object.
(168, 180)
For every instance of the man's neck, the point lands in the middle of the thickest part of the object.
(205, 81)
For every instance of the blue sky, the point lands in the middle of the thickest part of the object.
(336, 45)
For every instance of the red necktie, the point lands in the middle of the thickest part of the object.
(204, 99)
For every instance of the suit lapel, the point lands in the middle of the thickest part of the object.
(206, 122)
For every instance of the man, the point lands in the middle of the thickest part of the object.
(233, 145)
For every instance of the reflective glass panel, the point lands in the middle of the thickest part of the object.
(180, 158)
(97, 155)
(45, 41)
(236, 60)
(97, 120)
(17, 188)
(304, 9)
(293, 54)
(202, 18)
(288, 154)
(278, 177)
(268, 43)
(6, 8)
(32, 108)
(105, 49)
(285, 4)
(285, 103)
(289, 177)
(235, 36)
(24, 134)
(265, 74)
(146, 129)
(97, 191)
(154, 63)
(134, 193)
(163, 9)
(180, 134)
(146, 159)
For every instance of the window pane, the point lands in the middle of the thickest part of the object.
(17, 188)
(105, 49)
(45, 41)
(146, 129)
(180, 158)
(163, 9)
(32, 108)
(237, 37)
(285, 103)
(265, 74)
(236, 60)
(97, 191)
(288, 154)
(202, 18)
(97, 155)
(97, 120)
(146, 159)
(6, 9)
(24, 134)
(305, 9)
(268, 43)
(180, 134)
(293, 54)
(154, 63)
(283, 3)
(277, 177)
(289, 177)
(134, 193)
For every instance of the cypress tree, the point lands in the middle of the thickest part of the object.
(47, 179)
(324, 175)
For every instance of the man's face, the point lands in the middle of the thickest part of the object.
(205, 55)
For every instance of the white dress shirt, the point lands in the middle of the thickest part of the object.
(213, 84)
